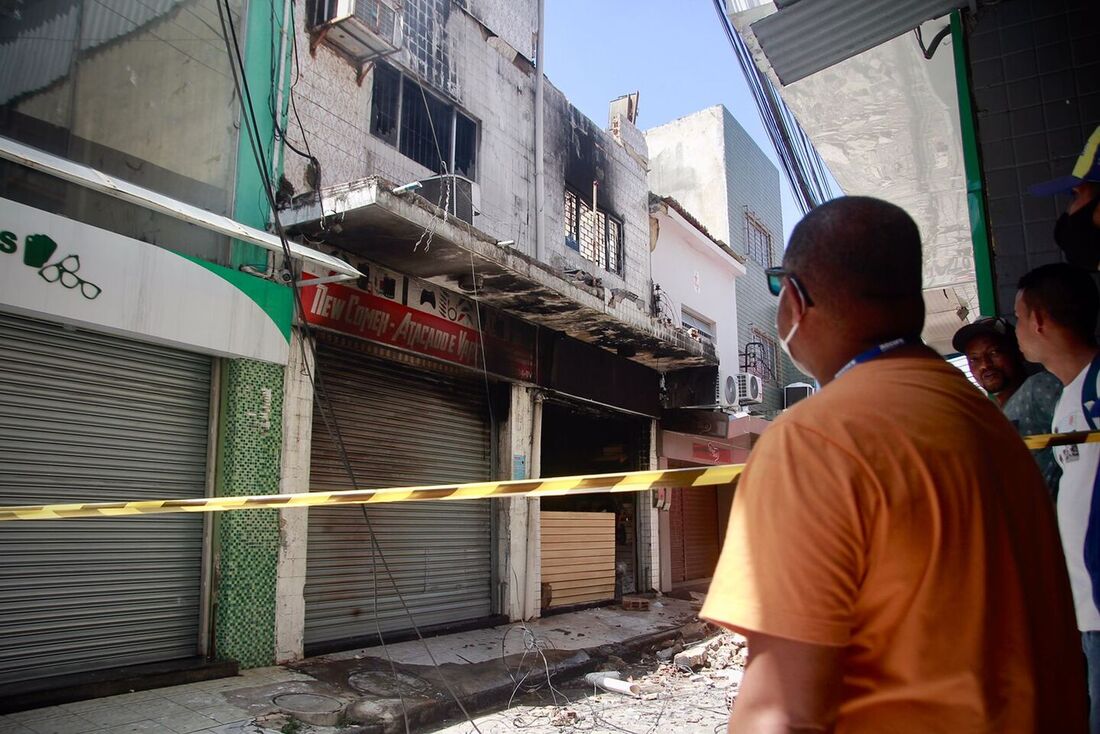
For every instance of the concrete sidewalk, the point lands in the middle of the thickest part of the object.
(366, 690)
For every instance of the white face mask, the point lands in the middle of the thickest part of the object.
(785, 341)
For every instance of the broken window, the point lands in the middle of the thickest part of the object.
(758, 241)
(465, 145)
(384, 104)
(704, 327)
(597, 236)
(421, 125)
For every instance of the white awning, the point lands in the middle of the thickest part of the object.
(95, 180)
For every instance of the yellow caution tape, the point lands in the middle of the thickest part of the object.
(593, 483)
(639, 481)
(1047, 440)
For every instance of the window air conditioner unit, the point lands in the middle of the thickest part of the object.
(462, 200)
(360, 29)
(795, 392)
(737, 389)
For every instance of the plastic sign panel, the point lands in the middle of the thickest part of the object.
(63, 270)
(434, 323)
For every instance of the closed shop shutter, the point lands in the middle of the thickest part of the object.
(694, 529)
(89, 417)
(700, 508)
(401, 427)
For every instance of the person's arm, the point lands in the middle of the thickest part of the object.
(789, 688)
(789, 577)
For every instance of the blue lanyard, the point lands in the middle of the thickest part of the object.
(875, 353)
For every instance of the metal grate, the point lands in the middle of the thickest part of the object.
(596, 235)
(758, 241)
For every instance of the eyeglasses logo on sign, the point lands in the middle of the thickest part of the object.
(37, 251)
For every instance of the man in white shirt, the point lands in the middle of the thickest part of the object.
(1056, 312)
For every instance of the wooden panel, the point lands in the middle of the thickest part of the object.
(578, 556)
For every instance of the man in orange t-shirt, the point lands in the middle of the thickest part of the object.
(892, 554)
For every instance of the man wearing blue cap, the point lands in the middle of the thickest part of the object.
(1078, 229)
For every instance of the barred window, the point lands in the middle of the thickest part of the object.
(758, 241)
(762, 356)
(420, 125)
(597, 236)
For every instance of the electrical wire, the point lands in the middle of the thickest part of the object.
(802, 165)
(316, 379)
(482, 346)
(930, 50)
(166, 42)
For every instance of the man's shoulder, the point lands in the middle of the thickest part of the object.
(1043, 383)
(1038, 392)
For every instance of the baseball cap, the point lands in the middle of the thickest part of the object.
(988, 326)
(1087, 168)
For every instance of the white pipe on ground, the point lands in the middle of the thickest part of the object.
(610, 681)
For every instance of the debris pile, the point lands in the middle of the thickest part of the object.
(728, 651)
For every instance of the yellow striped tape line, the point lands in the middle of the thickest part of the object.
(589, 484)
(1048, 440)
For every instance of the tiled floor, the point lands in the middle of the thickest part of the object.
(195, 708)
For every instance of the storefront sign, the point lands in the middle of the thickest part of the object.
(509, 345)
(60, 269)
(696, 449)
(711, 453)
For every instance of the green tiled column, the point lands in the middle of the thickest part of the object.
(247, 542)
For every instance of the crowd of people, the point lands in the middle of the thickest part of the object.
(897, 559)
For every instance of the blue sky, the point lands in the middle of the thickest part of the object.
(674, 54)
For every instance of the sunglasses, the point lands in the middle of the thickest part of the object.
(775, 278)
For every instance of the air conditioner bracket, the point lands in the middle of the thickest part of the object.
(317, 38)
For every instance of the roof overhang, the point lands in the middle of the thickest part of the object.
(808, 36)
(721, 253)
(368, 219)
(886, 122)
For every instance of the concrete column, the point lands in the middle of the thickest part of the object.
(653, 515)
(290, 608)
(518, 517)
(246, 543)
(664, 522)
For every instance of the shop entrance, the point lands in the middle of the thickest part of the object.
(596, 546)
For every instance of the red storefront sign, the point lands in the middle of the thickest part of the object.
(368, 316)
(711, 453)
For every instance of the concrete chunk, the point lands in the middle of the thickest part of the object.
(692, 658)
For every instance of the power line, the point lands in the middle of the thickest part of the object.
(315, 376)
(801, 163)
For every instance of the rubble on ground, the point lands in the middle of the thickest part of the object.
(688, 691)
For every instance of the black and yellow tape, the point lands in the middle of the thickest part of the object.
(594, 483)
(1049, 440)
(639, 481)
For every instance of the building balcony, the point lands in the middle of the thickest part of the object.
(410, 234)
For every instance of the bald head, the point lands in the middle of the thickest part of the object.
(860, 258)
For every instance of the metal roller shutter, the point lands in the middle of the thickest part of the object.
(694, 525)
(89, 417)
(401, 427)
